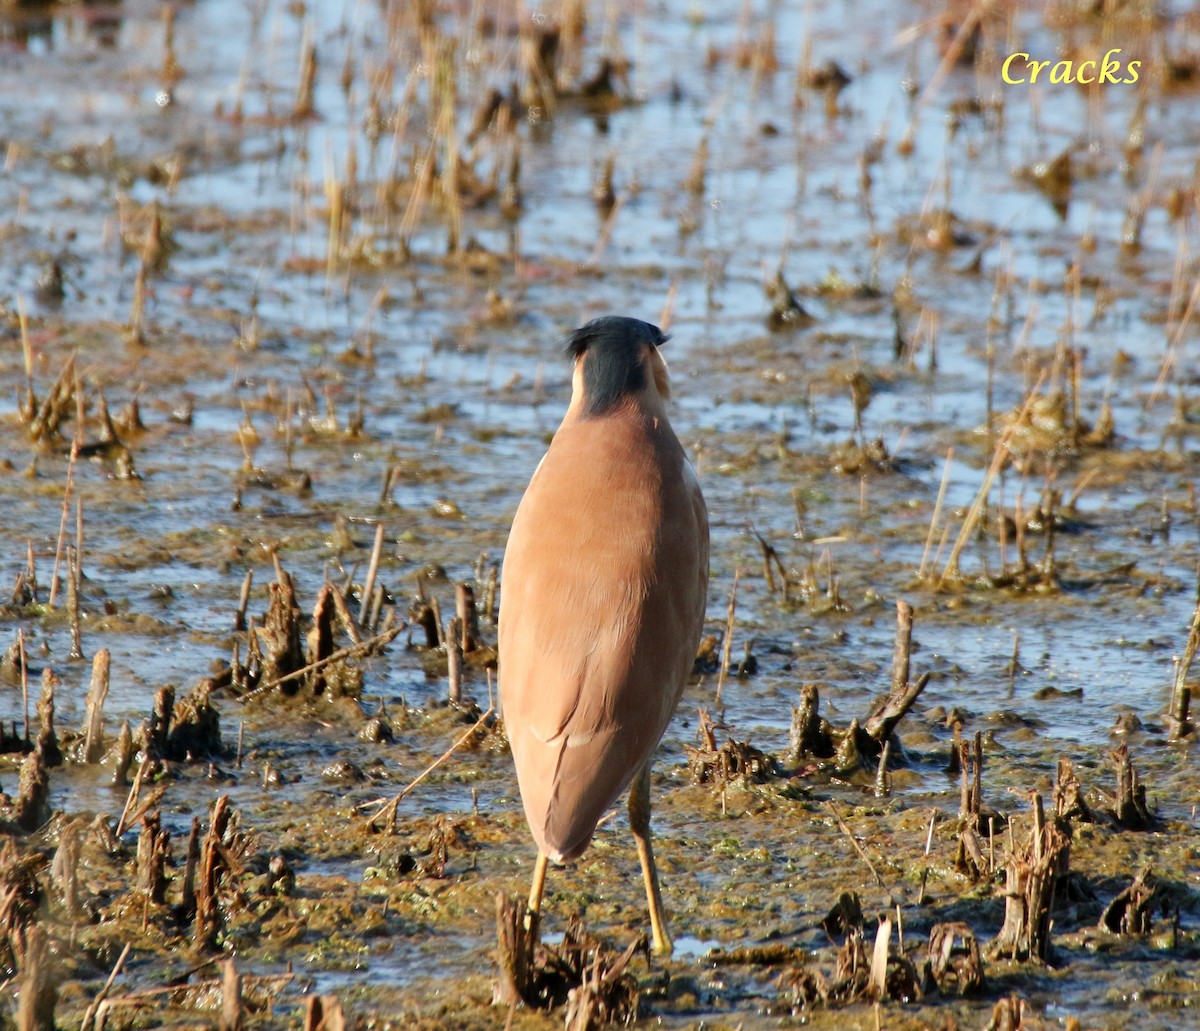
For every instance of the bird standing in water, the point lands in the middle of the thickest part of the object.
(603, 596)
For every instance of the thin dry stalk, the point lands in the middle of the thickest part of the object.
(232, 1014)
(923, 571)
(89, 1018)
(372, 573)
(606, 231)
(306, 87)
(93, 747)
(134, 790)
(62, 526)
(468, 617)
(1181, 694)
(73, 584)
(727, 644)
(239, 619)
(454, 660)
(24, 677)
(27, 353)
(832, 807)
(387, 807)
(976, 510)
(39, 996)
(367, 647)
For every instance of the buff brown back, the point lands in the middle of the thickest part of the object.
(603, 590)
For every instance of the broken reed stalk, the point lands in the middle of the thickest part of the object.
(345, 620)
(153, 854)
(134, 790)
(381, 639)
(882, 789)
(832, 807)
(387, 807)
(27, 354)
(727, 644)
(89, 1018)
(877, 982)
(79, 513)
(73, 586)
(213, 865)
(1130, 809)
(468, 617)
(806, 736)
(93, 747)
(928, 849)
(30, 572)
(923, 570)
(903, 693)
(454, 660)
(62, 526)
(232, 1016)
(950, 571)
(239, 619)
(32, 807)
(771, 556)
(324, 1013)
(24, 677)
(1172, 353)
(187, 906)
(970, 859)
(517, 937)
(606, 231)
(306, 87)
(1131, 912)
(1181, 695)
(364, 610)
(135, 330)
(451, 192)
(1032, 872)
(901, 655)
(39, 996)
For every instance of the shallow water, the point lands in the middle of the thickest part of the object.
(250, 323)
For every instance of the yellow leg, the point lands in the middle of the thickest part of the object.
(536, 889)
(639, 820)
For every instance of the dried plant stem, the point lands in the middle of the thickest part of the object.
(832, 807)
(923, 571)
(606, 232)
(239, 620)
(454, 660)
(976, 510)
(89, 1018)
(1181, 694)
(351, 651)
(62, 527)
(727, 644)
(73, 584)
(93, 748)
(134, 789)
(364, 609)
(1172, 355)
(387, 807)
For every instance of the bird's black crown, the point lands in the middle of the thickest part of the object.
(614, 369)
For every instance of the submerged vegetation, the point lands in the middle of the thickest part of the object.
(283, 287)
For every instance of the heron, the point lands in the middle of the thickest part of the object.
(603, 594)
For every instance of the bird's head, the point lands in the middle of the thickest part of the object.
(617, 361)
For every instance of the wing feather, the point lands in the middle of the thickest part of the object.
(601, 609)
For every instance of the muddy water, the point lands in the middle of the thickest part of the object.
(282, 367)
